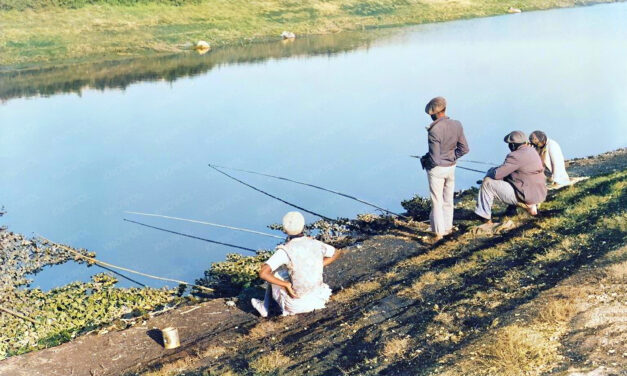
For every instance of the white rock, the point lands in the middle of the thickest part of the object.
(514, 10)
(288, 35)
(202, 45)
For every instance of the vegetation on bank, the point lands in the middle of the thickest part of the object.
(122, 73)
(452, 298)
(36, 32)
(58, 315)
(468, 306)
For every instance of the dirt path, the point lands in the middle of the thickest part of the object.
(326, 341)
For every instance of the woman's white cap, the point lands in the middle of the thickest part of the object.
(293, 223)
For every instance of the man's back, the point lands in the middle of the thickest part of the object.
(524, 169)
(447, 141)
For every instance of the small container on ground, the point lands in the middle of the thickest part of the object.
(170, 338)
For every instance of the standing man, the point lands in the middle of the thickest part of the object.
(518, 181)
(447, 143)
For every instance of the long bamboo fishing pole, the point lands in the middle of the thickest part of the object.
(312, 186)
(16, 314)
(121, 275)
(478, 162)
(273, 196)
(95, 261)
(207, 223)
(462, 167)
(471, 169)
(193, 236)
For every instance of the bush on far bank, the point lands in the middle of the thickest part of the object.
(74, 4)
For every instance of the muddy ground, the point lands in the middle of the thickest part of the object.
(352, 335)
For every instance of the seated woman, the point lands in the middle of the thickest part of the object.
(294, 271)
(518, 181)
(552, 157)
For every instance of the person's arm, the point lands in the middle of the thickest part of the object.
(510, 165)
(434, 146)
(462, 145)
(328, 260)
(266, 274)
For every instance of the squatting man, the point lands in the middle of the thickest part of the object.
(294, 271)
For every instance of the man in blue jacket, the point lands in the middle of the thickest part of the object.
(518, 181)
(447, 143)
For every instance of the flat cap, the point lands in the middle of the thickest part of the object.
(516, 137)
(437, 104)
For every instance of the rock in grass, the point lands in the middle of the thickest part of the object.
(514, 10)
(202, 45)
(288, 35)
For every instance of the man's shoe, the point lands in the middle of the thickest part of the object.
(260, 307)
(432, 239)
(532, 210)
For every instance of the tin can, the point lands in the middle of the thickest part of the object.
(170, 338)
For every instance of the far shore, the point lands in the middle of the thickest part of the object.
(36, 34)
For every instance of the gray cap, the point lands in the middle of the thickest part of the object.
(516, 137)
(437, 104)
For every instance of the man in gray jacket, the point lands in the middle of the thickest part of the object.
(518, 181)
(447, 143)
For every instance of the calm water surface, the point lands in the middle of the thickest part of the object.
(72, 164)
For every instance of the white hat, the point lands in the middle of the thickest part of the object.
(293, 223)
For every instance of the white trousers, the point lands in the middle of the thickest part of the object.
(441, 188)
(491, 189)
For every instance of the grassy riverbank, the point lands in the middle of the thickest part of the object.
(541, 295)
(46, 32)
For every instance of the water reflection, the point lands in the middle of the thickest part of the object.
(120, 74)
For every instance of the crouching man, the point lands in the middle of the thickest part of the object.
(518, 181)
(295, 271)
(552, 157)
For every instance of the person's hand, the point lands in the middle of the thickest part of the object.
(290, 291)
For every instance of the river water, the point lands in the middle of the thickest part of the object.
(81, 145)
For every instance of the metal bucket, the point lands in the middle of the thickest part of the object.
(170, 338)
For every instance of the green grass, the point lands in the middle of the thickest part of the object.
(474, 305)
(47, 32)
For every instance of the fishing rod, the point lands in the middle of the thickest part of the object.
(193, 237)
(120, 275)
(274, 197)
(103, 263)
(463, 168)
(207, 223)
(472, 169)
(478, 162)
(312, 186)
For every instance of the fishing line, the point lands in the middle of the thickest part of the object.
(274, 197)
(193, 237)
(312, 186)
(207, 223)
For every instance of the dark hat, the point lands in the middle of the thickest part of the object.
(437, 104)
(516, 137)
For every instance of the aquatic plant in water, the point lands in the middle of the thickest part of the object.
(62, 313)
